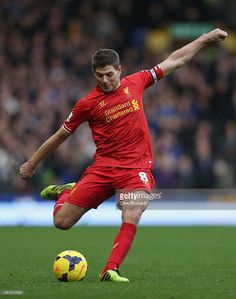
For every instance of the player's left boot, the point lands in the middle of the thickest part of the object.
(52, 192)
(113, 276)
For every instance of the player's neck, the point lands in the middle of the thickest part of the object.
(117, 86)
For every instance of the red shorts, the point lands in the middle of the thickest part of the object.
(99, 183)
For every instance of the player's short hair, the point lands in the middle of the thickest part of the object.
(104, 57)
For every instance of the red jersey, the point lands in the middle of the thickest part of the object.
(118, 123)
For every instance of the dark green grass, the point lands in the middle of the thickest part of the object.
(165, 262)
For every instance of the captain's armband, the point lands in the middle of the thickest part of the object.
(157, 73)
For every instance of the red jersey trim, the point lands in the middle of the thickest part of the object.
(158, 71)
(66, 128)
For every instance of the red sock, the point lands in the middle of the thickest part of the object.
(60, 202)
(121, 246)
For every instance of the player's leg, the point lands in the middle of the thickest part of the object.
(132, 210)
(87, 194)
(68, 215)
(75, 200)
(132, 207)
(65, 214)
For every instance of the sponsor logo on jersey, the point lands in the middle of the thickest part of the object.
(121, 109)
(135, 104)
(102, 103)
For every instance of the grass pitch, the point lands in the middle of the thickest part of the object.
(164, 262)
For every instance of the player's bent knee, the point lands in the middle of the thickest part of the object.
(132, 216)
(62, 223)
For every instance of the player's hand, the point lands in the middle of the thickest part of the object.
(27, 170)
(215, 35)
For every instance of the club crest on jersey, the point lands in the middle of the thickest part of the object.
(126, 91)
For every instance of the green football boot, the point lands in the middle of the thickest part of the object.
(113, 276)
(52, 192)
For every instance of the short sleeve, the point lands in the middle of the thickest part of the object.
(78, 115)
(147, 78)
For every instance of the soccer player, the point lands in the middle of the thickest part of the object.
(123, 158)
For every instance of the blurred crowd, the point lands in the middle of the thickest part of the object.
(45, 51)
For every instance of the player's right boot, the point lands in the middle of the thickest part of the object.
(52, 192)
(113, 276)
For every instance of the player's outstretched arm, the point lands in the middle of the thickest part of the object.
(28, 168)
(180, 57)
